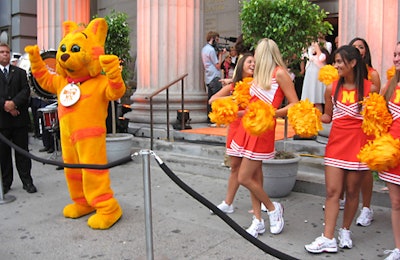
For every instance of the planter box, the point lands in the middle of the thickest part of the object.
(118, 146)
(280, 176)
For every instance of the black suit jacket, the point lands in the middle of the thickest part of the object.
(16, 88)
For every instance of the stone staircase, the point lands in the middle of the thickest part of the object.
(204, 154)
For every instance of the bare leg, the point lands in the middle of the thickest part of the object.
(394, 193)
(334, 178)
(233, 184)
(256, 203)
(248, 172)
(366, 189)
(353, 185)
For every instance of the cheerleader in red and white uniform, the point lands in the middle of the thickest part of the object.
(342, 167)
(392, 176)
(271, 84)
(367, 214)
(244, 71)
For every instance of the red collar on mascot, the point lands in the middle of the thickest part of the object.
(78, 80)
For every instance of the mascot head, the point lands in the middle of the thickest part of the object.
(79, 50)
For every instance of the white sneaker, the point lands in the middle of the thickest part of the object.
(345, 238)
(342, 202)
(394, 254)
(257, 227)
(227, 209)
(366, 217)
(263, 208)
(322, 244)
(276, 221)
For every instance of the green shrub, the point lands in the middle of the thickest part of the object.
(118, 41)
(292, 24)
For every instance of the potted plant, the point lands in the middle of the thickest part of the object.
(280, 174)
(118, 43)
(292, 24)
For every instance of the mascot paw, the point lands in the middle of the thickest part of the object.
(100, 221)
(32, 50)
(111, 66)
(76, 210)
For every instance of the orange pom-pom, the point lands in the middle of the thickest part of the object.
(376, 116)
(381, 154)
(305, 118)
(390, 73)
(224, 111)
(259, 117)
(241, 93)
(328, 74)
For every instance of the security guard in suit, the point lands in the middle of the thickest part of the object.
(14, 121)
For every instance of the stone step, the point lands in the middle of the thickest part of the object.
(207, 158)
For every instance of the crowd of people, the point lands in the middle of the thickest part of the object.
(346, 177)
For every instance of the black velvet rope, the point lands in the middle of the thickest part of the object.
(66, 165)
(267, 249)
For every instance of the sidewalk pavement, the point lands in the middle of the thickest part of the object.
(32, 226)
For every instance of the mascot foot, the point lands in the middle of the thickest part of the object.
(76, 210)
(100, 221)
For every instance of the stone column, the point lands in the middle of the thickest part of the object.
(52, 13)
(169, 42)
(377, 22)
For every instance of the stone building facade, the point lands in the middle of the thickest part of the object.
(167, 37)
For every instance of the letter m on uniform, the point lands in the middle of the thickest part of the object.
(348, 97)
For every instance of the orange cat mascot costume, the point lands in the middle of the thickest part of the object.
(83, 95)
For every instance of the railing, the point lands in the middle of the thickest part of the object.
(285, 130)
(166, 88)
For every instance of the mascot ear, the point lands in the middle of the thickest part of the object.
(99, 29)
(69, 26)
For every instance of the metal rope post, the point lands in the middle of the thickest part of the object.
(147, 203)
(4, 198)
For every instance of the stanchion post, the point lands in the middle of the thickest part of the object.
(4, 198)
(147, 203)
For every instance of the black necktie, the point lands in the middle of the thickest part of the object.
(5, 73)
